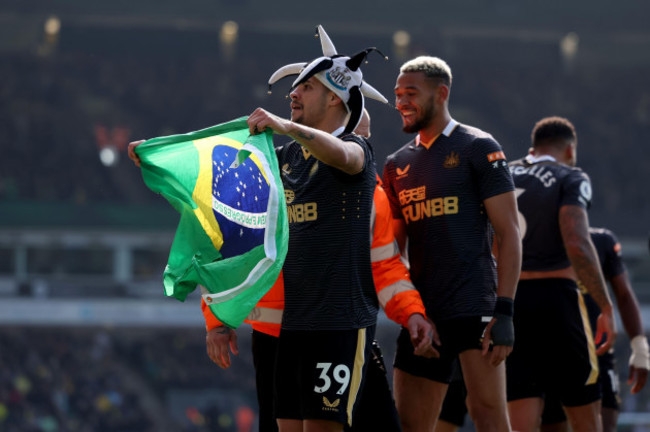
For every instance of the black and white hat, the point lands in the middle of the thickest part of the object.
(337, 72)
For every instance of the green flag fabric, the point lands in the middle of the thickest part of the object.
(233, 233)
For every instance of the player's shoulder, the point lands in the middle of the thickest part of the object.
(358, 139)
(472, 133)
(575, 173)
(602, 233)
(477, 142)
(354, 137)
(403, 152)
(521, 162)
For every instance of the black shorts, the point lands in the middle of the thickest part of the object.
(319, 373)
(376, 407)
(554, 351)
(608, 381)
(454, 408)
(456, 335)
(553, 411)
(264, 349)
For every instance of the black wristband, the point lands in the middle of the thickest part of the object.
(505, 306)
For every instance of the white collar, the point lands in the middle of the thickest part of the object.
(446, 131)
(543, 158)
(338, 131)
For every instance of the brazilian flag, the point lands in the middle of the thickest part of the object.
(233, 232)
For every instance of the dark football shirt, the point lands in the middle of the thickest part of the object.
(439, 192)
(543, 186)
(327, 273)
(611, 263)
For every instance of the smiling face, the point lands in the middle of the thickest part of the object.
(415, 99)
(309, 102)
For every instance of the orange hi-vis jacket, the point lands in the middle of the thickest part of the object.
(395, 291)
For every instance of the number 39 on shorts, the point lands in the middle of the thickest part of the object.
(340, 374)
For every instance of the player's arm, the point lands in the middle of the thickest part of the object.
(574, 226)
(502, 212)
(395, 291)
(628, 307)
(131, 152)
(218, 338)
(346, 156)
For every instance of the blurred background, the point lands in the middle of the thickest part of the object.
(88, 342)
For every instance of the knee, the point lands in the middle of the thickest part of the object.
(487, 413)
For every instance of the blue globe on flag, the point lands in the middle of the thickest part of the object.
(239, 201)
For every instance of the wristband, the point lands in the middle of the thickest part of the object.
(505, 306)
(640, 357)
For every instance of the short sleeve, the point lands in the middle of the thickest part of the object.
(613, 262)
(576, 190)
(490, 168)
(368, 157)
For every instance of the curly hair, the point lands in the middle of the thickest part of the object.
(553, 131)
(433, 67)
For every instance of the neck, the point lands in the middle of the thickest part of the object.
(435, 128)
(330, 122)
(558, 156)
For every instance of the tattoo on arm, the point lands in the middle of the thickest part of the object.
(306, 137)
(581, 252)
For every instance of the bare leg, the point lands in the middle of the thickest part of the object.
(585, 418)
(443, 426)
(610, 418)
(555, 427)
(486, 392)
(526, 414)
(292, 425)
(418, 401)
(322, 426)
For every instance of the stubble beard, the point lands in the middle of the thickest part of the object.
(426, 117)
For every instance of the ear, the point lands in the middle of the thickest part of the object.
(333, 99)
(442, 93)
(569, 152)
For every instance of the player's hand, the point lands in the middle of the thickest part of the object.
(131, 150)
(501, 346)
(260, 119)
(217, 342)
(605, 325)
(637, 379)
(423, 334)
(500, 331)
(639, 363)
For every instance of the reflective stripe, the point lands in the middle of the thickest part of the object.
(591, 346)
(266, 315)
(373, 216)
(355, 382)
(391, 290)
(381, 253)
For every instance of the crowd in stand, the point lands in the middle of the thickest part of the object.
(140, 380)
(53, 106)
(107, 380)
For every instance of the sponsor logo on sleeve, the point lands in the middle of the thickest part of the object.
(496, 156)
